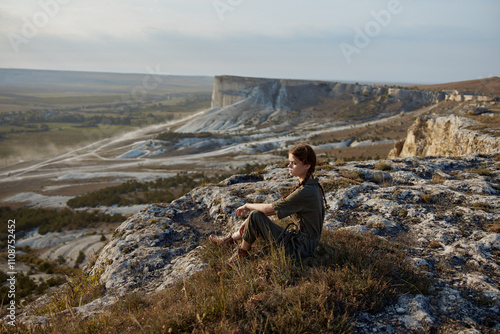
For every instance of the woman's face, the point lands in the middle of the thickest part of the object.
(296, 167)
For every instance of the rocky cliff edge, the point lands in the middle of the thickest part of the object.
(448, 136)
(445, 210)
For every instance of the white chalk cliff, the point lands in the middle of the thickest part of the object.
(246, 104)
(446, 136)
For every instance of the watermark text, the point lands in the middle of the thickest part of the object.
(363, 36)
(12, 274)
(31, 25)
(223, 6)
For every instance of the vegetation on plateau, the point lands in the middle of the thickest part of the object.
(162, 190)
(47, 220)
(66, 121)
(28, 288)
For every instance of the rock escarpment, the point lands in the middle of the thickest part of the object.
(243, 104)
(287, 94)
(444, 210)
(446, 136)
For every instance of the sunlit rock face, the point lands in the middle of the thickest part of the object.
(447, 136)
(242, 103)
(443, 209)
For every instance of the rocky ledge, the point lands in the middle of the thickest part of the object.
(446, 211)
(449, 136)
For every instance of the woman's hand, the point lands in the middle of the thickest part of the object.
(266, 209)
(242, 209)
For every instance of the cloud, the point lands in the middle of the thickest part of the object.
(255, 37)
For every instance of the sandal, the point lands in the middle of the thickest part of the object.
(222, 241)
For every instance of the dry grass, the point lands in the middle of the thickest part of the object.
(382, 180)
(427, 198)
(354, 175)
(359, 153)
(383, 166)
(481, 206)
(337, 183)
(438, 179)
(494, 227)
(489, 85)
(268, 293)
(481, 171)
(434, 244)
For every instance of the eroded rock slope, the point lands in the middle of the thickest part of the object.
(445, 210)
(450, 135)
(242, 104)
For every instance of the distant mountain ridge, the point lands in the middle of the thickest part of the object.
(98, 82)
(488, 86)
(246, 105)
(289, 94)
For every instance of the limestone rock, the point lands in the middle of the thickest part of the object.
(445, 227)
(447, 136)
(241, 103)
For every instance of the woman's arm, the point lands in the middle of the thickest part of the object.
(266, 209)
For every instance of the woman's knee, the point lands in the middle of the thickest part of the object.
(254, 220)
(256, 215)
(252, 226)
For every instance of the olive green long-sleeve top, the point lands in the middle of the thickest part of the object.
(306, 208)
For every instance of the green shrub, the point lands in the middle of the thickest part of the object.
(79, 260)
(134, 192)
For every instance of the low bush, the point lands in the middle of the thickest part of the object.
(134, 192)
(438, 179)
(354, 175)
(383, 166)
(494, 227)
(481, 171)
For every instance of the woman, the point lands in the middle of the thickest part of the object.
(306, 204)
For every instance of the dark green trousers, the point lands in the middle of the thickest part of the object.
(259, 225)
(295, 243)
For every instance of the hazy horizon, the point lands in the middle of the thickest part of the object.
(212, 76)
(394, 41)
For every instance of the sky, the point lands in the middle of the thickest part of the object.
(393, 41)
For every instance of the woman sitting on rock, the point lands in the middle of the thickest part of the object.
(306, 204)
